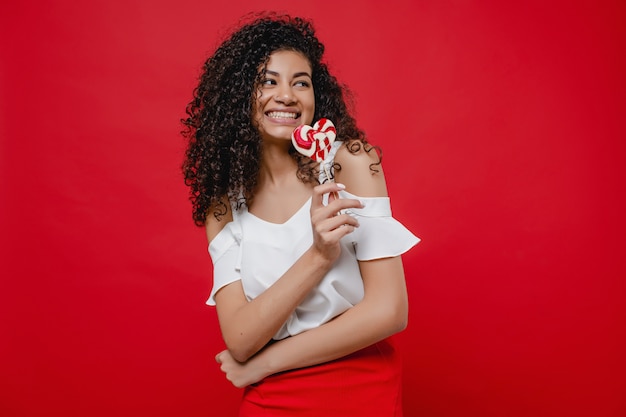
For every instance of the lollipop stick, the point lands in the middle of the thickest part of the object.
(334, 193)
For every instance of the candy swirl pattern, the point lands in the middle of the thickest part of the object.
(315, 141)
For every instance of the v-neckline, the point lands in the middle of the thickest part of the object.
(306, 204)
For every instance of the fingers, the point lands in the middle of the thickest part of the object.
(331, 215)
(320, 190)
(329, 231)
(329, 218)
(332, 236)
(332, 223)
(328, 222)
(334, 204)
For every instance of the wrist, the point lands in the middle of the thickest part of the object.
(319, 260)
(266, 363)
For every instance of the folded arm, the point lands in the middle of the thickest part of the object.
(382, 312)
(247, 326)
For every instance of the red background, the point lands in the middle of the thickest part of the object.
(503, 132)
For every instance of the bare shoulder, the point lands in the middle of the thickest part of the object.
(218, 216)
(358, 167)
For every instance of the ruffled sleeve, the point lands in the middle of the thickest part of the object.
(225, 253)
(379, 235)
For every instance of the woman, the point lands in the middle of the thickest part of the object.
(308, 279)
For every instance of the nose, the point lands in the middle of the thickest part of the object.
(284, 95)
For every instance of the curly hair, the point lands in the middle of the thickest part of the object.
(223, 146)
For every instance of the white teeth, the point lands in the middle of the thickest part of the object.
(281, 115)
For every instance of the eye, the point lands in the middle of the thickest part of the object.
(302, 83)
(268, 81)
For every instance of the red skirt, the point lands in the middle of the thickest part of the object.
(365, 383)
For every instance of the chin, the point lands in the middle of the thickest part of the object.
(281, 134)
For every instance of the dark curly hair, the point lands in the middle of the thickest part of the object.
(224, 147)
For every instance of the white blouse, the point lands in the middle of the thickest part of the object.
(258, 253)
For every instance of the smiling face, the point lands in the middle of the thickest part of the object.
(285, 98)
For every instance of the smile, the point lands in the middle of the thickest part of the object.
(282, 115)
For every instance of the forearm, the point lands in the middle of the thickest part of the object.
(382, 312)
(248, 326)
(348, 333)
(357, 328)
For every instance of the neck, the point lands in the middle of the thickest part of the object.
(277, 166)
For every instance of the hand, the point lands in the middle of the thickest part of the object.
(329, 225)
(241, 374)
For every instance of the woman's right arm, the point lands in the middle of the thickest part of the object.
(247, 326)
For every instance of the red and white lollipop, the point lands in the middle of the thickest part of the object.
(316, 141)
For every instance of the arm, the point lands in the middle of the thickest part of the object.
(382, 312)
(247, 326)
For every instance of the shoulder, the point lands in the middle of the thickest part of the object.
(358, 166)
(218, 216)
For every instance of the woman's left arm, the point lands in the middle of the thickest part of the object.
(382, 312)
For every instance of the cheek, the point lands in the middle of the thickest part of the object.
(311, 104)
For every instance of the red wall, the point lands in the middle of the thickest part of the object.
(503, 132)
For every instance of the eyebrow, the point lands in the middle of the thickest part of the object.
(296, 75)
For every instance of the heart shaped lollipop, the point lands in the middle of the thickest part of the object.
(315, 142)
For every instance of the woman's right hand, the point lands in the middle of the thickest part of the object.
(247, 326)
(328, 222)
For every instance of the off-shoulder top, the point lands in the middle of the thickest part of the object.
(258, 253)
